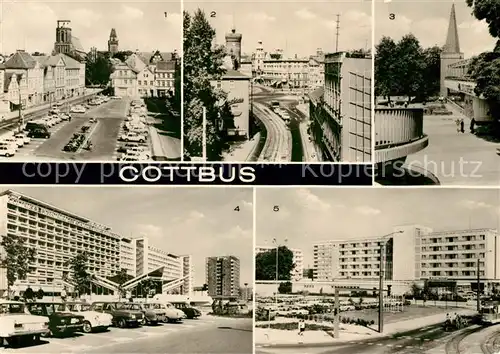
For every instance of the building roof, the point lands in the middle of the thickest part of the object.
(41, 59)
(234, 74)
(135, 63)
(165, 65)
(20, 60)
(317, 94)
(147, 56)
(77, 45)
(452, 44)
(6, 82)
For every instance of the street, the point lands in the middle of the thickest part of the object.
(204, 335)
(283, 143)
(456, 158)
(431, 340)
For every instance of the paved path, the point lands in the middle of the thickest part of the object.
(456, 158)
(204, 335)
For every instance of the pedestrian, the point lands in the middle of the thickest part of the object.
(302, 327)
(457, 122)
(462, 130)
(472, 124)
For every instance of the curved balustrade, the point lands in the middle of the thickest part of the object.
(398, 133)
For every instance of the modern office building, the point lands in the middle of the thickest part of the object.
(298, 260)
(58, 235)
(223, 276)
(412, 253)
(341, 120)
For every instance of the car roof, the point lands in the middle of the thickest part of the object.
(5, 301)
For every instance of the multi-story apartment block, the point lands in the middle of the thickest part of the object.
(58, 235)
(298, 260)
(413, 253)
(223, 276)
(188, 274)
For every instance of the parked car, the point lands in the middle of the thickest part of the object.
(133, 137)
(65, 116)
(138, 155)
(190, 311)
(17, 325)
(12, 141)
(77, 109)
(170, 313)
(93, 321)
(39, 133)
(122, 317)
(26, 139)
(92, 120)
(151, 316)
(59, 322)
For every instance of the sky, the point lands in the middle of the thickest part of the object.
(31, 24)
(307, 216)
(428, 21)
(196, 221)
(296, 27)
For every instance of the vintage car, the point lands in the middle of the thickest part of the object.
(17, 325)
(60, 323)
(170, 313)
(151, 316)
(190, 311)
(93, 322)
(122, 317)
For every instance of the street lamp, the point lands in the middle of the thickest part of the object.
(381, 281)
(275, 242)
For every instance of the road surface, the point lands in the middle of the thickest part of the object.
(205, 335)
(431, 339)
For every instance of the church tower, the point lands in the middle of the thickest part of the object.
(63, 37)
(233, 46)
(451, 50)
(113, 42)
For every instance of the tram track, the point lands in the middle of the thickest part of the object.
(453, 345)
(277, 145)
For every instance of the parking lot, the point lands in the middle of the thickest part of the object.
(104, 136)
(206, 334)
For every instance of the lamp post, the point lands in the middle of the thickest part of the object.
(381, 281)
(275, 242)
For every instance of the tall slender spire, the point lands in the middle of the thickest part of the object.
(452, 44)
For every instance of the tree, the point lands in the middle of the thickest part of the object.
(285, 288)
(29, 294)
(203, 64)
(97, 69)
(147, 285)
(310, 273)
(121, 278)
(79, 276)
(488, 11)
(410, 65)
(205, 287)
(40, 294)
(123, 55)
(432, 71)
(386, 80)
(17, 259)
(416, 291)
(265, 264)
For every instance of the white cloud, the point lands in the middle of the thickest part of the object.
(84, 17)
(261, 17)
(474, 205)
(305, 14)
(237, 233)
(131, 13)
(367, 210)
(149, 230)
(311, 201)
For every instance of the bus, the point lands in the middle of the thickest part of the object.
(275, 104)
(490, 312)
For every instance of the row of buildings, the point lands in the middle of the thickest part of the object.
(223, 277)
(410, 255)
(58, 235)
(32, 80)
(145, 74)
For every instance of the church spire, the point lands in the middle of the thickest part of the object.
(452, 44)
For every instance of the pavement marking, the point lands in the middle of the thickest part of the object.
(379, 344)
(389, 345)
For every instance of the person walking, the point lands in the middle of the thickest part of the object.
(462, 124)
(302, 327)
(457, 122)
(472, 124)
